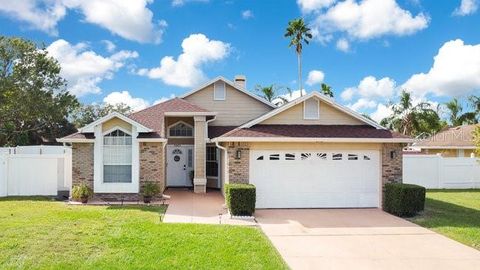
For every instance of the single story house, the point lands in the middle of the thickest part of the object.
(451, 142)
(310, 153)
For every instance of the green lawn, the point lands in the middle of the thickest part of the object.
(42, 234)
(454, 213)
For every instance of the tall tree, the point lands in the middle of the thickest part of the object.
(299, 33)
(88, 113)
(456, 115)
(410, 119)
(326, 90)
(475, 103)
(272, 93)
(476, 140)
(34, 102)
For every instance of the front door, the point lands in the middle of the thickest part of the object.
(179, 165)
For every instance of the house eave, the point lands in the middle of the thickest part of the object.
(73, 140)
(326, 140)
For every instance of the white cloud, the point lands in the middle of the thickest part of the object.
(467, 7)
(40, 15)
(348, 93)
(84, 69)
(186, 70)
(314, 77)
(313, 5)
(124, 97)
(455, 72)
(294, 95)
(381, 112)
(371, 87)
(179, 3)
(247, 14)
(343, 45)
(362, 103)
(129, 19)
(163, 99)
(109, 46)
(367, 19)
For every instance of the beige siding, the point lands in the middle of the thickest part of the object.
(116, 122)
(237, 108)
(328, 116)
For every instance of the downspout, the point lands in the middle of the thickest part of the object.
(206, 124)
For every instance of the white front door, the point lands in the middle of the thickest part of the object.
(316, 179)
(179, 165)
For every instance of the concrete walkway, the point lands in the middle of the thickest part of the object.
(360, 239)
(184, 206)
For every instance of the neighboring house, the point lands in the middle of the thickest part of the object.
(311, 152)
(452, 142)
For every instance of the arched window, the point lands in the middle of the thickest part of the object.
(117, 157)
(180, 129)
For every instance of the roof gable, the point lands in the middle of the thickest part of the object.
(324, 99)
(233, 85)
(90, 127)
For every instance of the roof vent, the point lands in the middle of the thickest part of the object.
(241, 81)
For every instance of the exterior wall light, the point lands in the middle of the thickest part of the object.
(238, 154)
(393, 154)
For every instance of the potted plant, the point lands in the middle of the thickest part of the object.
(82, 193)
(150, 189)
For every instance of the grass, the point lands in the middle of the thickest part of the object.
(42, 234)
(454, 213)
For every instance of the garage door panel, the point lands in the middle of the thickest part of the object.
(306, 179)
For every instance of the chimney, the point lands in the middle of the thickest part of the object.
(241, 81)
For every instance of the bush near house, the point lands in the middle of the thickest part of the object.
(404, 200)
(82, 193)
(240, 199)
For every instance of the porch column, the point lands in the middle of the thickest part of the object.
(200, 179)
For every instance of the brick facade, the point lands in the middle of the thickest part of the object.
(151, 168)
(392, 168)
(82, 164)
(152, 164)
(238, 169)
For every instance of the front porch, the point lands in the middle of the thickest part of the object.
(185, 206)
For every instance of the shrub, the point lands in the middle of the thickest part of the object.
(404, 200)
(150, 189)
(81, 192)
(240, 199)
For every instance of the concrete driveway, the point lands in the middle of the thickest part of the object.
(360, 239)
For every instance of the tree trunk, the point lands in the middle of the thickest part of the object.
(300, 84)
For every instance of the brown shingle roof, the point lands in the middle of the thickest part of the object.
(153, 117)
(216, 131)
(315, 131)
(461, 136)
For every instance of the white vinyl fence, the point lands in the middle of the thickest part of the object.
(434, 171)
(35, 170)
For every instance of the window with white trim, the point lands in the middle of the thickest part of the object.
(311, 109)
(117, 157)
(219, 90)
(180, 129)
(211, 161)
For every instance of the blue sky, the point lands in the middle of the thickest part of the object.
(366, 50)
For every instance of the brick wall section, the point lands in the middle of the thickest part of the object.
(152, 164)
(238, 169)
(392, 168)
(82, 164)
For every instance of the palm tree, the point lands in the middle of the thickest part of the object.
(412, 120)
(326, 90)
(475, 102)
(299, 33)
(272, 93)
(456, 117)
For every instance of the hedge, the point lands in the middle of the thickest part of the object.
(240, 199)
(404, 200)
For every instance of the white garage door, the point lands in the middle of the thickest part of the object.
(311, 179)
